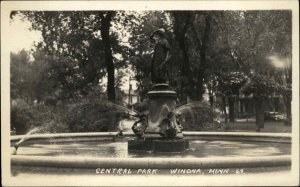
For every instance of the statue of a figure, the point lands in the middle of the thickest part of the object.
(161, 56)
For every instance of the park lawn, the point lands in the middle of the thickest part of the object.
(269, 126)
(238, 126)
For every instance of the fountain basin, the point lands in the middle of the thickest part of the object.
(105, 150)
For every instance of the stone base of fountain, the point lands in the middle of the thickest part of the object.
(158, 145)
(156, 138)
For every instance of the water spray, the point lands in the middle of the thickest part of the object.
(26, 137)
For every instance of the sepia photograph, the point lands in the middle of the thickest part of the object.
(150, 93)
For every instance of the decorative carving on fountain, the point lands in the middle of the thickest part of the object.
(140, 126)
(159, 130)
(169, 126)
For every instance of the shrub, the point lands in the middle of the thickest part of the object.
(94, 117)
(195, 116)
(21, 116)
(25, 117)
(51, 119)
(82, 116)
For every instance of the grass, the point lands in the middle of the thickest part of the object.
(243, 125)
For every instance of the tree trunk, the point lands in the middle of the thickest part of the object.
(180, 26)
(185, 66)
(288, 101)
(224, 108)
(105, 27)
(231, 108)
(288, 96)
(181, 23)
(203, 64)
(211, 99)
(259, 113)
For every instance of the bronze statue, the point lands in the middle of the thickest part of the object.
(161, 56)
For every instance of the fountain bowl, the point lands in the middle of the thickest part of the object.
(200, 154)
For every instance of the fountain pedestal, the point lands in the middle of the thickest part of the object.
(162, 101)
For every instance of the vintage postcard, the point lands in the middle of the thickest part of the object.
(150, 93)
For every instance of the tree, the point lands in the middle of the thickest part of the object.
(104, 28)
(282, 52)
(21, 76)
(251, 37)
(181, 23)
(84, 39)
(202, 42)
(274, 36)
(261, 87)
(30, 78)
(229, 85)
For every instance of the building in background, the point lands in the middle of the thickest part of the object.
(131, 94)
(131, 97)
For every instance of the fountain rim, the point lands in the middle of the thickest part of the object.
(131, 134)
(150, 163)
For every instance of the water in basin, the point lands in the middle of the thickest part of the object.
(198, 148)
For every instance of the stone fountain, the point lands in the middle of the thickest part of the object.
(160, 131)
